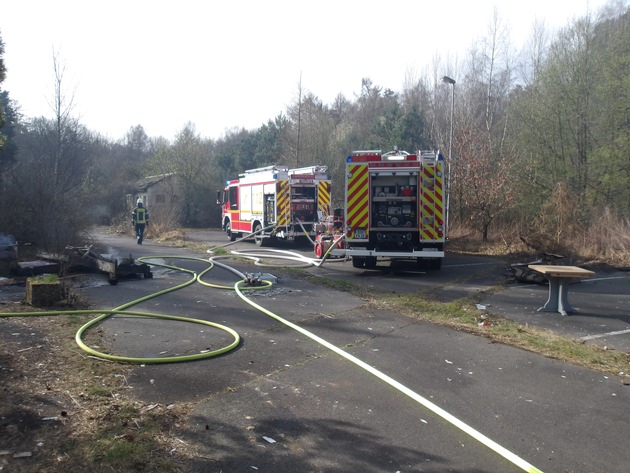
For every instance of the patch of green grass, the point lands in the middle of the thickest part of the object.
(98, 391)
(45, 279)
(219, 251)
(128, 411)
(344, 286)
(462, 314)
(123, 450)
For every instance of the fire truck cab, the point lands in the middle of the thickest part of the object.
(275, 202)
(394, 207)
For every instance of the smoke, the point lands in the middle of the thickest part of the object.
(107, 253)
(7, 242)
(8, 248)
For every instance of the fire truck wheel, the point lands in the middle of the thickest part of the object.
(228, 231)
(429, 263)
(358, 261)
(435, 263)
(260, 240)
(422, 263)
(370, 262)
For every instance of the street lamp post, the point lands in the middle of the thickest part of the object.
(448, 80)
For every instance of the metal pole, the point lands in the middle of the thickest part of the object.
(450, 81)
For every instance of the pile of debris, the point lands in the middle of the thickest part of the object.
(73, 259)
(86, 259)
(522, 273)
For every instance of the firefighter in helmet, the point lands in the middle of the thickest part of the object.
(140, 219)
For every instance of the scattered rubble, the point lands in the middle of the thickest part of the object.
(522, 273)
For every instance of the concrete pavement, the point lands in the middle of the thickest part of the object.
(282, 402)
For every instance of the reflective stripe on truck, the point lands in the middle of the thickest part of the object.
(431, 201)
(357, 212)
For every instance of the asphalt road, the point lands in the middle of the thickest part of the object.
(398, 401)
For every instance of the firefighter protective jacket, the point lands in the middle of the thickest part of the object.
(140, 215)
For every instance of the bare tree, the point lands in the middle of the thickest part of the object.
(52, 173)
(189, 159)
(485, 158)
(534, 55)
(295, 115)
(3, 71)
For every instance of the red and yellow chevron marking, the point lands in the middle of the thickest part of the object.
(439, 195)
(357, 197)
(323, 197)
(283, 203)
(431, 202)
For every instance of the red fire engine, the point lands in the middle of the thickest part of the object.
(394, 207)
(275, 202)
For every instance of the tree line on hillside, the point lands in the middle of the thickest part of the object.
(540, 142)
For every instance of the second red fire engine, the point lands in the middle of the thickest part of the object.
(275, 202)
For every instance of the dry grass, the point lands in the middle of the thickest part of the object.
(562, 226)
(605, 241)
(462, 315)
(62, 410)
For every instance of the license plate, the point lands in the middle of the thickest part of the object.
(359, 233)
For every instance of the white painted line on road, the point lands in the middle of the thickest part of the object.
(602, 335)
(504, 452)
(604, 279)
